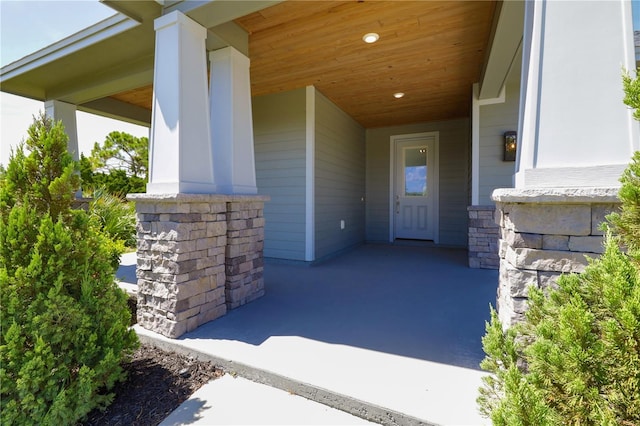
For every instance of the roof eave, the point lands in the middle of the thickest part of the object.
(94, 34)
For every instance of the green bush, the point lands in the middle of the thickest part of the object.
(117, 218)
(626, 222)
(575, 360)
(631, 87)
(64, 322)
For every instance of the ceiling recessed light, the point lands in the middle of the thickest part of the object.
(398, 95)
(370, 37)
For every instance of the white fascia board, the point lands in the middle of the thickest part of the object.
(103, 30)
(504, 46)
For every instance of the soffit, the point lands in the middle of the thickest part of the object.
(431, 51)
(115, 55)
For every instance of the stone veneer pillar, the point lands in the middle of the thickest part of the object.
(545, 233)
(185, 242)
(573, 144)
(483, 238)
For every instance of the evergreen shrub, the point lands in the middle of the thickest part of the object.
(575, 360)
(64, 322)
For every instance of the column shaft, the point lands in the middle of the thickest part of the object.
(574, 129)
(180, 155)
(62, 111)
(231, 122)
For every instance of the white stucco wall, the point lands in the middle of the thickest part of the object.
(596, 82)
(573, 114)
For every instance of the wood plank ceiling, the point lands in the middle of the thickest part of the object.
(431, 51)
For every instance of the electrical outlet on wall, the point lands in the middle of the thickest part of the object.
(342, 224)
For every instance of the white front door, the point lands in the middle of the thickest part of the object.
(415, 187)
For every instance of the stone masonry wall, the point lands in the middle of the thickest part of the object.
(545, 233)
(484, 234)
(182, 258)
(244, 252)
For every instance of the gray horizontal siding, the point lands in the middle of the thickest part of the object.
(454, 189)
(279, 124)
(339, 179)
(495, 120)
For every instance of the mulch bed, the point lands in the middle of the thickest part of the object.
(157, 383)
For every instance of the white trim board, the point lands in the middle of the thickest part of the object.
(476, 103)
(310, 175)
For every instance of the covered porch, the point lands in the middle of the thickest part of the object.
(276, 129)
(391, 333)
(286, 99)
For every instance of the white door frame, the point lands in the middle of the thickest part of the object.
(393, 141)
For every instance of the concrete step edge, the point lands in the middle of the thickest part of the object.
(356, 407)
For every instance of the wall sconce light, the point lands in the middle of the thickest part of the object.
(510, 146)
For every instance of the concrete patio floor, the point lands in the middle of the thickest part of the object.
(386, 332)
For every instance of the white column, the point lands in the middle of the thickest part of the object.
(231, 122)
(574, 129)
(62, 111)
(180, 152)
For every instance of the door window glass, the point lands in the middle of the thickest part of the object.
(415, 172)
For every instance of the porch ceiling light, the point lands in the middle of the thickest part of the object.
(398, 95)
(370, 38)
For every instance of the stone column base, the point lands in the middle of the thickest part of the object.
(182, 258)
(544, 233)
(484, 234)
(244, 252)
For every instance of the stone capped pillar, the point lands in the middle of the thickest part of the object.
(199, 255)
(181, 253)
(545, 233)
(244, 252)
(200, 252)
(483, 238)
(180, 155)
(231, 122)
(62, 111)
(576, 137)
